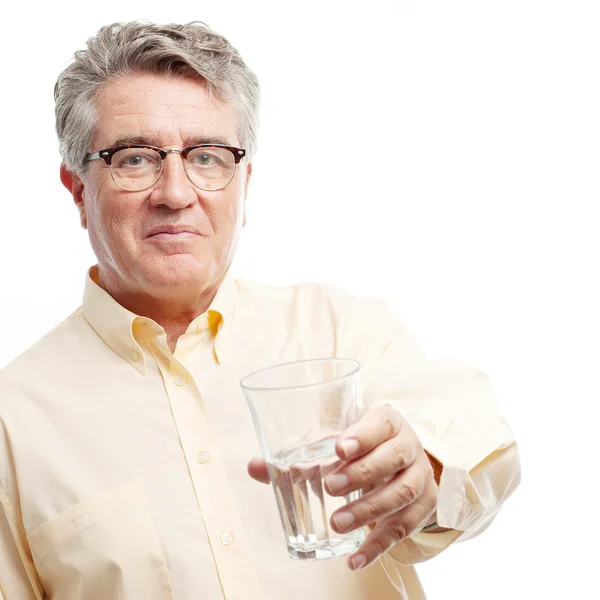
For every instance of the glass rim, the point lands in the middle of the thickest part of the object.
(356, 368)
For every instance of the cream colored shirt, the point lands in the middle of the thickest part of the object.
(123, 466)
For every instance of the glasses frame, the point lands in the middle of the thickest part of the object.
(107, 154)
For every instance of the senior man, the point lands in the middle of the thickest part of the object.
(125, 440)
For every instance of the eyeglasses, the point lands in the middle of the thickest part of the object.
(136, 167)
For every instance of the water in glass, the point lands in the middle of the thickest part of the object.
(305, 507)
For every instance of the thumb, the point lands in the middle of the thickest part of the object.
(257, 469)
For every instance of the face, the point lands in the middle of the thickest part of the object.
(168, 113)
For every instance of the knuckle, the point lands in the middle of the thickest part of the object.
(389, 423)
(379, 547)
(389, 419)
(371, 510)
(401, 454)
(408, 492)
(398, 530)
(364, 470)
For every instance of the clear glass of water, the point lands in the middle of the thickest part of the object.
(299, 409)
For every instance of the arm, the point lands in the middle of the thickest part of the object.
(453, 410)
(18, 577)
(430, 435)
(461, 429)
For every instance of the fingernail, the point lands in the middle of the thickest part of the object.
(350, 448)
(337, 482)
(343, 520)
(358, 562)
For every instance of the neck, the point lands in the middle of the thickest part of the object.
(173, 309)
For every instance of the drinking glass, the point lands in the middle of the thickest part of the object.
(299, 409)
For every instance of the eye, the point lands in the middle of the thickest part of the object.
(205, 159)
(135, 159)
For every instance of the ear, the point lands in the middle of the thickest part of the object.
(75, 185)
(246, 183)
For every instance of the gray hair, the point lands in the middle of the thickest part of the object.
(133, 48)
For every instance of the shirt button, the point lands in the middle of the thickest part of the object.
(180, 381)
(203, 457)
(135, 355)
(226, 539)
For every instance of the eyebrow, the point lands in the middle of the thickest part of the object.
(150, 140)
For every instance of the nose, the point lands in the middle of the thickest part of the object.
(173, 189)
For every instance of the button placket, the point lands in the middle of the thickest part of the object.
(214, 494)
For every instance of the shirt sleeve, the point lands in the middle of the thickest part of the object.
(452, 408)
(18, 576)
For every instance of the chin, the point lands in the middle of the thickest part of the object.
(185, 273)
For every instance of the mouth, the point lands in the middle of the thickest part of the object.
(173, 232)
(172, 237)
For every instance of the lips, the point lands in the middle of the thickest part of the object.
(173, 229)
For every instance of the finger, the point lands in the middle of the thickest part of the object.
(393, 529)
(376, 426)
(384, 461)
(257, 469)
(401, 491)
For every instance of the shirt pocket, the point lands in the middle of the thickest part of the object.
(105, 547)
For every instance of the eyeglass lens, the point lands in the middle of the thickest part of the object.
(136, 169)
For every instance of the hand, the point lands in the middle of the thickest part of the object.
(383, 456)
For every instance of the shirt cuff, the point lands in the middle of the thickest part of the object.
(465, 500)
(468, 501)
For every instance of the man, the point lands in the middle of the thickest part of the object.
(125, 438)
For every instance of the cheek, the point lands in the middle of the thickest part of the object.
(226, 212)
(232, 219)
(236, 203)
(111, 219)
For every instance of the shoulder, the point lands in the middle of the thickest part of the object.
(354, 321)
(41, 361)
(312, 295)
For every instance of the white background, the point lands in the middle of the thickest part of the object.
(441, 155)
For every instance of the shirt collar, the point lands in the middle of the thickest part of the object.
(220, 314)
(117, 326)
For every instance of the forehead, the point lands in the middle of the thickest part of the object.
(166, 110)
